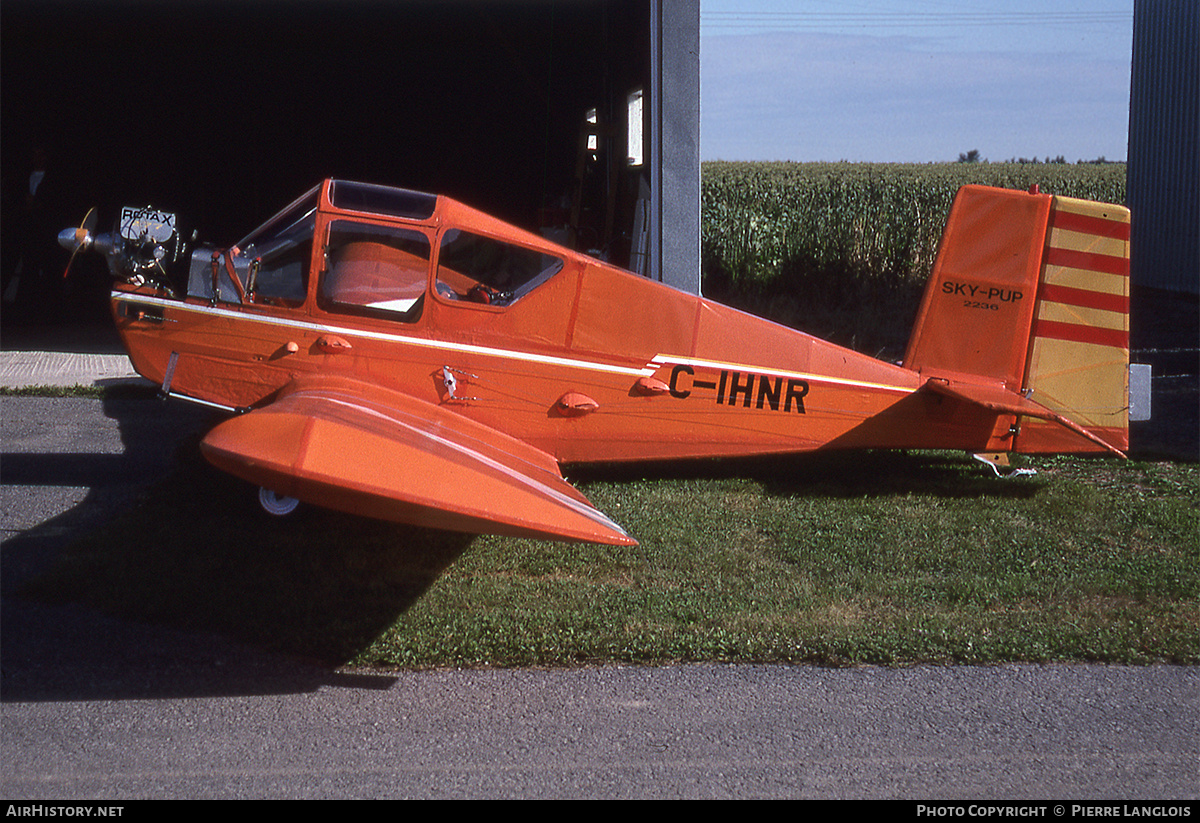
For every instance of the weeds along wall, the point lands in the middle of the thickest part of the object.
(843, 250)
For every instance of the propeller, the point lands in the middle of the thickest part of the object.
(80, 239)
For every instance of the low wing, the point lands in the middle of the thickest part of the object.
(1000, 399)
(355, 447)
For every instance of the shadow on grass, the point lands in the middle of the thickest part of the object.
(837, 474)
(197, 553)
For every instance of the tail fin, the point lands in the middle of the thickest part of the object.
(1030, 295)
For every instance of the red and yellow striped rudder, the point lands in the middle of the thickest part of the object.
(1078, 362)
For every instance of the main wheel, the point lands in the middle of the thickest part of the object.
(275, 503)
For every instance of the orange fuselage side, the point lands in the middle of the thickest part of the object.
(662, 374)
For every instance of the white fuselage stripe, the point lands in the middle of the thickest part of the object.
(654, 365)
(715, 365)
(421, 342)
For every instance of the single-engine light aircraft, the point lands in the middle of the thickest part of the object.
(400, 355)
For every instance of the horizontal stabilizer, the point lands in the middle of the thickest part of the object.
(1003, 401)
(355, 447)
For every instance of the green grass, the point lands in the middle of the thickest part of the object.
(116, 391)
(891, 558)
(97, 392)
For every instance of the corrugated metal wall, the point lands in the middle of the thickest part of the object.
(1163, 184)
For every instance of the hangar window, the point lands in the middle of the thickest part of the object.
(636, 153)
(378, 271)
(484, 270)
(593, 142)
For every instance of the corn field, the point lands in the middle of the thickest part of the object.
(843, 250)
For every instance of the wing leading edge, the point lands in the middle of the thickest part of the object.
(355, 447)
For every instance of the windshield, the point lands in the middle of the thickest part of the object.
(285, 230)
(272, 261)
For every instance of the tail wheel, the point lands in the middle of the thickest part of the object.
(275, 503)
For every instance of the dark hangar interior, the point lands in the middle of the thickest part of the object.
(225, 111)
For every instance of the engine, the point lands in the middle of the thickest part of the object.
(141, 248)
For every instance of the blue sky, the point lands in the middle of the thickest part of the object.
(914, 81)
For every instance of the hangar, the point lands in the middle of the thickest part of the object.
(579, 120)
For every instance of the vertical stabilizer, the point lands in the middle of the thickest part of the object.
(978, 307)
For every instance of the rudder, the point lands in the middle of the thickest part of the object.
(978, 308)
(1079, 349)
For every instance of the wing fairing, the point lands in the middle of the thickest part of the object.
(354, 447)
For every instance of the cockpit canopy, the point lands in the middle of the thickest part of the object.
(374, 264)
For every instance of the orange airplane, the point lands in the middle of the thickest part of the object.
(402, 356)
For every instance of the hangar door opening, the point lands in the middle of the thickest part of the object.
(576, 119)
(611, 165)
(579, 120)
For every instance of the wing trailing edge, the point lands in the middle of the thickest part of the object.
(355, 447)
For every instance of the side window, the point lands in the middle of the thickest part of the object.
(482, 270)
(375, 270)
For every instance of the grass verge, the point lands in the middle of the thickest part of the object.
(120, 390)
(878, 557)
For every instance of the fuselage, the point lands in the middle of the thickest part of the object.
(580, 359)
